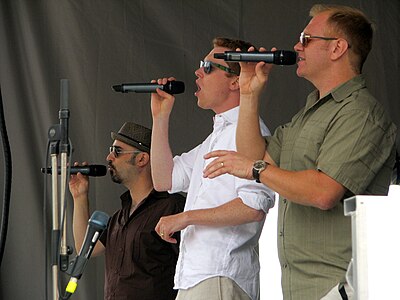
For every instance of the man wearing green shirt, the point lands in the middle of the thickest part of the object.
(342, 143)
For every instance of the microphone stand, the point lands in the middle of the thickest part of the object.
(59, 144)
(65, 151)
(55, 221)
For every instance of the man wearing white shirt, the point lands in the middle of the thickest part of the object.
(223, 217)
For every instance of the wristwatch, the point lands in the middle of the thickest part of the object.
(258, 167)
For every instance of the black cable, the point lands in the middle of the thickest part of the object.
(397, 167)
(7, 180)
(45, 232)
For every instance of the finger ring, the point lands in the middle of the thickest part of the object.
(222, 164)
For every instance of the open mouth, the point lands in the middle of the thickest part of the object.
(198, 88)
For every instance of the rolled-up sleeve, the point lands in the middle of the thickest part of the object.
(255, 195)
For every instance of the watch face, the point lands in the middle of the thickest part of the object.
(260, 164)
(258, 167)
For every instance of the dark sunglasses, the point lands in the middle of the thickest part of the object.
(118, 150)
(207, 65)
(305, 38)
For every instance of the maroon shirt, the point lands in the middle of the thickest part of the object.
(138, 263)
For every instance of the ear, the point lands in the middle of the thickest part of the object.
(235, 83)
(142, 159)
(340, 48)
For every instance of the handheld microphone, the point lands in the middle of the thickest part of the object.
(278, 57)
(172, 87)
(97, 224)
(92, 170)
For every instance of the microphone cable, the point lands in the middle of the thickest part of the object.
(396, 170)
(7, 180)
(46, 252)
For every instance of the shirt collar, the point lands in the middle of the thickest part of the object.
(339, 93)
(126, 202)
(346, 89)
(126, 197)
(230, 116)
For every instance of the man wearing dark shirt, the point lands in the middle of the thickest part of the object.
(139, 264)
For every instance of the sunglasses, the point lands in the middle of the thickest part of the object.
(305, 38)
(118, 150)
(208, 65)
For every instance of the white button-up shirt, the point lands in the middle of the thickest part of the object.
(229, 251)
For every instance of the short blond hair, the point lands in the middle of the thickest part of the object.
(354, 25)
(232, 44)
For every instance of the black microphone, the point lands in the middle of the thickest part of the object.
(92, 170)
(97, 224)
(278, 57)
(172, 87)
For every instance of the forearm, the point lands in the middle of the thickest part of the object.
(232, 213)
(80, 223)
(249, 140)
(309, 187)
(80, 220)
(161, 155)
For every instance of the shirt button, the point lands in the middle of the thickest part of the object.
(285, 266)
(280, 233)
(284, 201)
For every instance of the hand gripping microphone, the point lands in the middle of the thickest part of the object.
(97, 224)
(172, 87)
(91, 170)
(278, 57)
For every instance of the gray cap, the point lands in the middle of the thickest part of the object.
(135, 135)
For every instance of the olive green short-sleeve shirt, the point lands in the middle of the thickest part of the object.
(348, 136)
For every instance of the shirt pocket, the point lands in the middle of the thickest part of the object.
(302, 145)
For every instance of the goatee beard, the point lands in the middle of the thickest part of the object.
(114, 177)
